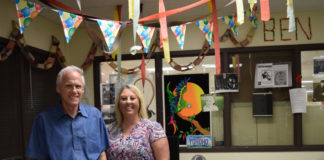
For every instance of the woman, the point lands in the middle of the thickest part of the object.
(132, 135)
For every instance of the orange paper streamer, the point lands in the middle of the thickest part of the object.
(216, 39)
(173, 11)
(143, 70)
(265, 10)
(164, 32)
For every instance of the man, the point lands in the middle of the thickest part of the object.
(70, 130)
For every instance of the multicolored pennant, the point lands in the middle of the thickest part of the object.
(231, 22)
(109, 30)
(26, 12)
(70, 23)
(145, 33)
(206, 26)
(179, 32)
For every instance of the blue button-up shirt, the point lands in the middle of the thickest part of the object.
(57, 136)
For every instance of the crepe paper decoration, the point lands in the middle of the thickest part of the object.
(231, 22)
(309, 27)
(298, 79)
(145, 33)
(117, 15)
(216, 39)
(143, 70)
(283, 29)
(265, 30)
(206, 26)
(79, 4)
(109, 30)
(173, 11)
(133, 50)
(164, 39)
(26, 12)
(179, 32)
(135, 18)
(291, 16)
(265, 10)
(131, 9)
(70, 23)
(240, 12)
(237, 66)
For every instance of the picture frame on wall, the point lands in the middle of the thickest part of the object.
(226, 82)
(107, 93)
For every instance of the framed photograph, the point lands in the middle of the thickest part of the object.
(226, 82)
(108, 114)
(107, 94)
(318, 66)
(212, 102)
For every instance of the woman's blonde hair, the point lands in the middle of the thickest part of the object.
(142, 109)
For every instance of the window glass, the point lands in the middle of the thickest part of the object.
(247, 129)
(312, 75)
(110, 84)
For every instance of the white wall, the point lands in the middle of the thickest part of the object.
(38, 35)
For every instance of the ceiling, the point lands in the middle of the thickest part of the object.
(105, 8)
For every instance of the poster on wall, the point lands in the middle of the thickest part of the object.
(183, 110)
(318, 66)
(226, 82)
(270, 75)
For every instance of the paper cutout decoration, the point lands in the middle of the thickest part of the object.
(252, 14)
(109, 30)
(179, 33)
(70, 23)
(145, 33)
(26, 12)
(206, 26)
(230, 20)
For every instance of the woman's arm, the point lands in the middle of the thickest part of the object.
(161, 149)
(103, 156)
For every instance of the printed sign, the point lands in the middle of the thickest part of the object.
(199, 141)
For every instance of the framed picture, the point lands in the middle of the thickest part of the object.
(108, 114)
(107, 94)
(226, 82)
(318, 66)
(212, 102)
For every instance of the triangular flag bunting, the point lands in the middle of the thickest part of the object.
(70, 23)
(145, 33)
(179, 32)
(26, 12)
(206, 26)
(109, 30)
(231, 22)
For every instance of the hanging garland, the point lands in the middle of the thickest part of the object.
(229, 35)
(150, 112)
(205, 48)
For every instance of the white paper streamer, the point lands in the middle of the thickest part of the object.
(240, 12)
(79, 4)
(291, 16)
(134, 49)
